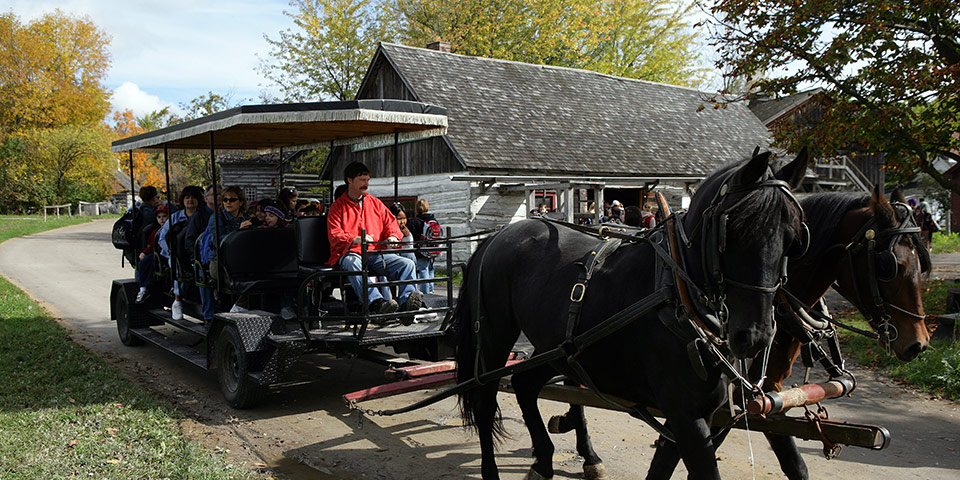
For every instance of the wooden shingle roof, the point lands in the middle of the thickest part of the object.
(519, 116)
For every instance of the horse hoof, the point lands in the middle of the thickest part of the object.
(595, 472)
(533, 475)
(553, 426)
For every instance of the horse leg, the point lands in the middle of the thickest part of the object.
(485, 410)
(791, 463)
(575, 420)
(693, 445)
(527, 385)
(667, 455)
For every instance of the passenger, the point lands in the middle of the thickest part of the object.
(632, 216)
(424, 262)
(310, 211)
(273, 218)
(198, 223)
(287, 202)
(649, 215)
(407, 241)
(301, 204)
(260, 206)
(357, 210)
(252, 215)
(190, 200)
(147, 263)
(228, 219)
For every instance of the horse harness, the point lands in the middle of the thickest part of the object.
(703, 330)
(702, 326)
(811, 324)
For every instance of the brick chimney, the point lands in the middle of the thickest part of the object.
(439, 46)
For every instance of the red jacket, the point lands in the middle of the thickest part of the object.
(344, 224)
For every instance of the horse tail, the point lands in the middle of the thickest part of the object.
(468, 311)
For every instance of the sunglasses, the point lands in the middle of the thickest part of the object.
(231, 199)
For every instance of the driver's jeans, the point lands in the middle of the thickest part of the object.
(390, 265)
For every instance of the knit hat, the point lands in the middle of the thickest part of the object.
(275, 211)
(162, 208)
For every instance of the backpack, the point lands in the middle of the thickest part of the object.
(125, 230)
(432, 231)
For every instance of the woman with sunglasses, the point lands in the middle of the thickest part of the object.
(231, 217)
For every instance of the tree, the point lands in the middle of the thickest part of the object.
(649, 40)
(147, 168)
(890, 70)
(51, 72)
(558, 32)
(326, 56)
(72, 162)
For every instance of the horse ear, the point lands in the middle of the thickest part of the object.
(886, 217)
(754, 169)
(755, 151)
(897, 195)
(794, 171)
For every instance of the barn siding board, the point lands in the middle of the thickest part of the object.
(448, 202)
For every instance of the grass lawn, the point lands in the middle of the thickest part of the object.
(936, 371)
(18, 226)
(66, 413)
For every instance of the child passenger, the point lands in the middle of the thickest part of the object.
(273, 217)
(146, 265)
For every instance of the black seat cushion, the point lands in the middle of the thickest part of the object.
(259, 259)
(313, 245)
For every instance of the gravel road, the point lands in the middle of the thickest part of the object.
(306, 432)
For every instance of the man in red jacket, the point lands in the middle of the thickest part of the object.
(357, 210)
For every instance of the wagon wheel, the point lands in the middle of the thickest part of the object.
(124, 314)
(238, 388)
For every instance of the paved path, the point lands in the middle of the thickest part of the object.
(305, 432)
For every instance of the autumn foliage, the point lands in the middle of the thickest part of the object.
(889, 69)
(54, 147)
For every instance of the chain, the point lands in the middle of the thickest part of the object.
(830, 450)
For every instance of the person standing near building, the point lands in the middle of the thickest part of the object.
(425, 258)
(357, 210)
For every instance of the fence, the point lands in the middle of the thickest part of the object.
(57, 207)
(93, 208)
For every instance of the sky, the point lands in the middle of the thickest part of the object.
(168, 52)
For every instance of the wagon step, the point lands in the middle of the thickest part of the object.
(183, 351)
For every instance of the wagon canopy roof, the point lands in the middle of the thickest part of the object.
(267, 127)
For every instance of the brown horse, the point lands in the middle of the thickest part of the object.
(897, 314)
(868, 250)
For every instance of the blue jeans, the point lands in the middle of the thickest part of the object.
(207, 301)
(145, 271)
(425, 270)
(397, 268)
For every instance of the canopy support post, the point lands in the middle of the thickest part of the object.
(166, 169)
(133, 204)
(216, 205)
(396, 167)
(280, 173)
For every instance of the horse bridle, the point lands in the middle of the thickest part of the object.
(882, 267)
(713, 223)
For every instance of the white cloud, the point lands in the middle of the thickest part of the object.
(129, 96)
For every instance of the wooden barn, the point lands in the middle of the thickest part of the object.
(521, 134)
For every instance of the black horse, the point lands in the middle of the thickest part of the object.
(739, 227)
(838, 256)
(882, 280)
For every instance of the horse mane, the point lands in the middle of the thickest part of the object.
(829, 209)
(744, 221)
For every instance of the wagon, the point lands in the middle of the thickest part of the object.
(253, 349)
